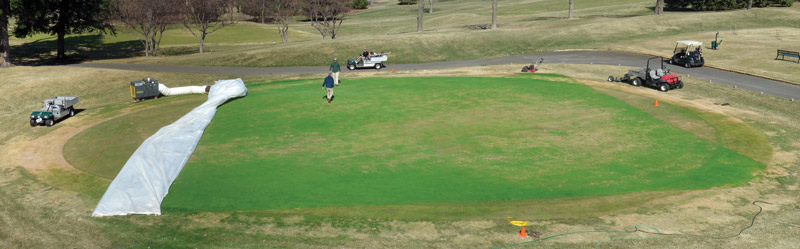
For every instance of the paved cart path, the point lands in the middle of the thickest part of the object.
(756, 84)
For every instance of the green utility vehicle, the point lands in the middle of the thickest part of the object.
(54, 109)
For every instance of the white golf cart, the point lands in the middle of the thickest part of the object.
(688, 54)
(373, 61)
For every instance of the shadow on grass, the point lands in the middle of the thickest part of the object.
(171, 51)
(230, 100)
(550, 18)
(78, 49)
(76, 113)
(674, 9)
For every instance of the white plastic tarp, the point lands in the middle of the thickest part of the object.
(143, 182)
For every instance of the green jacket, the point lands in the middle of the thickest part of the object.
(335, 67)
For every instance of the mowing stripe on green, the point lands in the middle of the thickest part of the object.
(390, 141)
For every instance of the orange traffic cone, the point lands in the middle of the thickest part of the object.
(392, 70)
(656, 104)
(522, 233)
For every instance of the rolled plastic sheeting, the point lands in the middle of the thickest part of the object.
(143, 182)
(166, 91)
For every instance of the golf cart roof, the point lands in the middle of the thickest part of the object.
(691, 43)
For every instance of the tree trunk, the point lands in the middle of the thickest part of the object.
(659, 7)
(147, 46)
(61, 29)
(494, 14)
(153, 46)
(283, 28)
(749, 4)
(325, 27)
(263, 15)
(202, 40)
(571, 7)
(157, 41)
(420, 9)
(61, 54)
(5, 49)
(430, 6)
(335, 28)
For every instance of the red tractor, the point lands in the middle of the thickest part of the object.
(653, 77)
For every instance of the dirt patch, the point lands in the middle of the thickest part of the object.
(293, 219)
(46, 152)
(411, 230)
(782, 160)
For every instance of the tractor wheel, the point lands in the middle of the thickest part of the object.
(48, 122)
(686, 65)
(663, 87)
(351, 67)
(636, 82)
(680, 84)
(378, 66)
(610, 78)
(33, 122)
(71, 112)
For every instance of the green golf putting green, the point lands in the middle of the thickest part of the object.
(385, 141)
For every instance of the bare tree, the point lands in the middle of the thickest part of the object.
(327, 15)
(571, 7)
(659, 7)
(430, 6)
(147, 20)
(203, 17)
(749, 4)
(282, 12)
(420, 9)
(494, 14)
(256, 8)
(5, 48)
(232, 5)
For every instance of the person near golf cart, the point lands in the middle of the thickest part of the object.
(328, 85)
(368, 60)
(335, 68)
(688, 54)
(659, 78)
(366, 54)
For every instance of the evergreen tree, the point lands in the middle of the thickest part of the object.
(61, 18)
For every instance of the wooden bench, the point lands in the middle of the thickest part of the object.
(784, 53)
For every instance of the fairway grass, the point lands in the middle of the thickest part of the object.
(388, 141)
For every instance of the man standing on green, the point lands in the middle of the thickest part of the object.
(334, 69)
